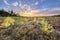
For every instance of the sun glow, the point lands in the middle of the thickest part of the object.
(27, 14)
(32, 13)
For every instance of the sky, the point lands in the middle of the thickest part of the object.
(42, 6)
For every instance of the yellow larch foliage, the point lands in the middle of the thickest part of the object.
(46, 28)
(7, 22)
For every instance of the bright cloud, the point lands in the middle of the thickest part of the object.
(36, 3)
(6, 2)
(15, 4)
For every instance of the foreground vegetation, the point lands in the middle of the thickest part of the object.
(34, 28)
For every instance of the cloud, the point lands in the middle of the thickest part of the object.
(15, 4)
(52, 11)
(36, 3)
(6, 2)
(47, 11)
(25, 7)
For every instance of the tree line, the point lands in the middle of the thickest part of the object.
(4, 13)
